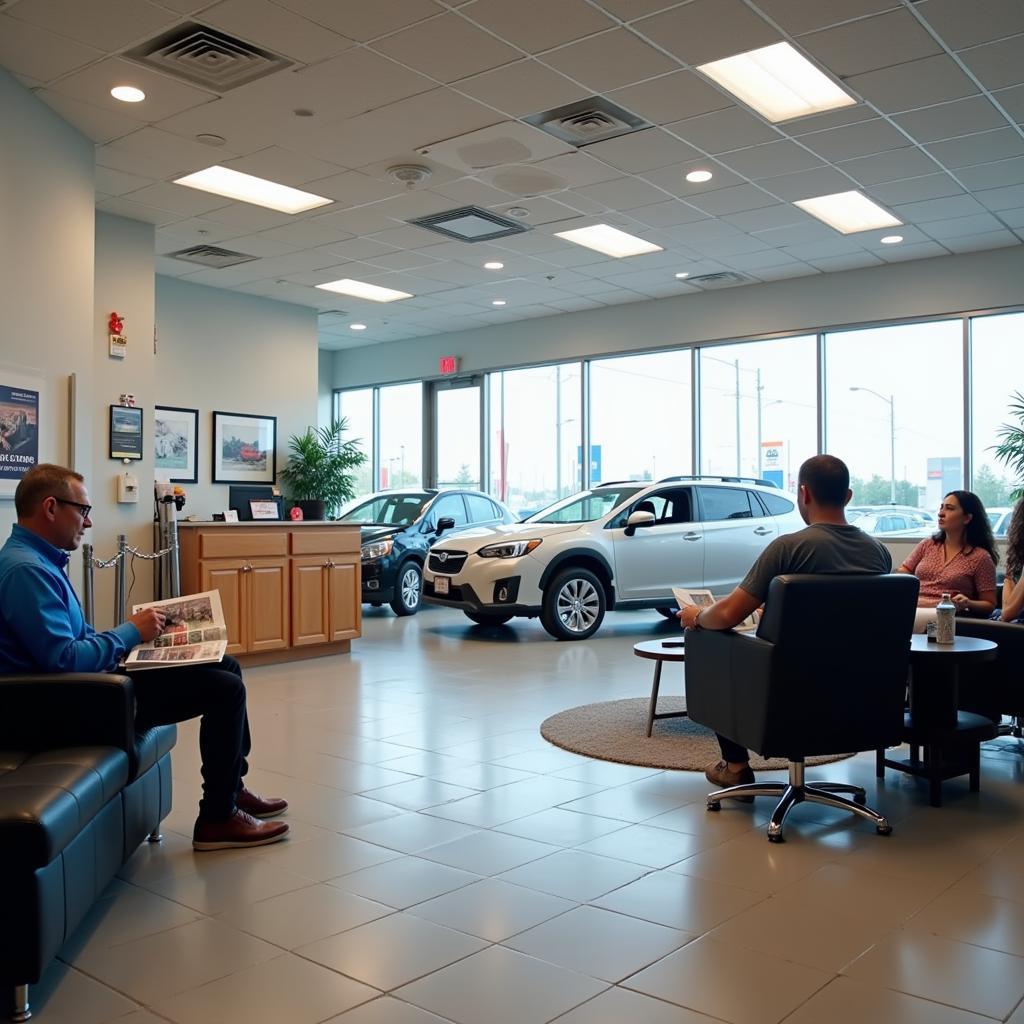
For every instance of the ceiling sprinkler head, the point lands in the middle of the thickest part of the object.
(518, 211)
(409, 175)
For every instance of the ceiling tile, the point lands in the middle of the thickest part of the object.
(928, 186)
(938, 209)
(948, 120)
(446, 48)
(997, 65)
(1013, 218)
(837, 246)
(354, 189)
(994, 175)
(105, 24)
(767, 218)
(790, 270)
(724, 130)
(535, 25)
(284, 32)
(623, 193)
(977, 149)
(822, 181)
(979, 243)
(304, 234)
(156, 154)
(732, 200)
(851, 261)
(918, 83)
(31, 51)
(521, 88)
(244, 217)
(610, 60)
(871, 43)
(643, 150)
(363, 21)
(284, 166)
(797, 234)
(1012, 101)
(116, 183)
(673, 212)
(577, 168)
(979, 223)
(470, 192)
(706, 30)
(999, 199)
(967, 24)
(758, 260)
(186, 202)
(137, 211)
(673, 179)
(771, 159)
(853, 140)
(406, 237)
(898, 163)
(671, 97)
(798, 16)
(628, 10)
(98, 124)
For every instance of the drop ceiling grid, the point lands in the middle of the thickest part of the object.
(704, 227)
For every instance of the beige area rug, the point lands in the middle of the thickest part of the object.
(615, 731)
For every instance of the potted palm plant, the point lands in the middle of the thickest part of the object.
(1010, 450)
(318, 475)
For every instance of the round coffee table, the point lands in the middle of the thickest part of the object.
(660, 651)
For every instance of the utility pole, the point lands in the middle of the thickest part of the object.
(736, 363)
(760, 449)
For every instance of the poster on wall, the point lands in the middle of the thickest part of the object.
(125, 432)
(175, 443)
(19, 428)
(244, 448)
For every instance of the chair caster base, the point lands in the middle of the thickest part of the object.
(156, 836)
(22, 1011)
(714, 805)
(884, 829)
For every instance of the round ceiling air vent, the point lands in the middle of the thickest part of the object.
(409, 175)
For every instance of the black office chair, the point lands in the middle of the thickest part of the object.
(826, 674)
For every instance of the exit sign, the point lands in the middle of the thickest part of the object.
(448, 364)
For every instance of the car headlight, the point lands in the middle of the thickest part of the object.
(378, 549)
(509, 549)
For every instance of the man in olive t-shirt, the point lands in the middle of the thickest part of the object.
(829, 545)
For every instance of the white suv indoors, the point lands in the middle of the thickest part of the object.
(621, 545)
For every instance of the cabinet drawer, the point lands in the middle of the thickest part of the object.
(329, 541)
(245, 543)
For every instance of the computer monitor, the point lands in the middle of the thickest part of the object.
(239, 496)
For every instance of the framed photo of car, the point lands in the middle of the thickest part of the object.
(244, 448)
(176, 443)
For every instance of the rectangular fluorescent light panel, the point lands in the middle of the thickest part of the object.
(222, 181)
(362, 290)
(778, 82)
(848, 212)
(611, 241)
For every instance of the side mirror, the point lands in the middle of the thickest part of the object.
(637, 520)
(445, 523)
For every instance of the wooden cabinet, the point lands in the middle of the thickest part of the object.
(287, 591)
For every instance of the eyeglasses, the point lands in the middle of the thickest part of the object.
(84, 509)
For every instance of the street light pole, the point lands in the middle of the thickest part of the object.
(738, 469)
(892, 438)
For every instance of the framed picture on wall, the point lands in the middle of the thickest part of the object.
(125, 432)
(19, 427)
(244, 448)
(176, 443)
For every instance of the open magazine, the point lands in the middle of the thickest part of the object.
(194, 634)
(704, 599)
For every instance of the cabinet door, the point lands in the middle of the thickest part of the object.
(344, 599)
(267, 602)
(228, 576)
(310, 620)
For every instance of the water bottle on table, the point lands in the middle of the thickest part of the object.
(945, 621)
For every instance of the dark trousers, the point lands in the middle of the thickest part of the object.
(732, 751)
(215, 693)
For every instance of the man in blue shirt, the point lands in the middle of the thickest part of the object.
(42, 629)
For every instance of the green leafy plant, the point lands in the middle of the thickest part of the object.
(1010, 450)
(320, 464)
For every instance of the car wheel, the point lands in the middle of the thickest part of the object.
(407, 590)
(490, 618)
(573, 607)
(669, 613)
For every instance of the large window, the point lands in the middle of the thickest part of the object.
(356, 407)
(641, 417)
(536, 435)
(401, 436)
(894, 401)
(458, 436)
(758, 408)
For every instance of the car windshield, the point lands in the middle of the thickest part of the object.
(388, 510)
(586, 506)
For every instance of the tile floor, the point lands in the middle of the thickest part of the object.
(447, 864)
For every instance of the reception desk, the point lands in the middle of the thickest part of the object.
(289, 590)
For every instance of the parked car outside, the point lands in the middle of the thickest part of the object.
(620, 545)
(398, 528)
(1000, 520)
(886, 522)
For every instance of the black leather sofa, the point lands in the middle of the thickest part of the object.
(995, 688)
(79, 790)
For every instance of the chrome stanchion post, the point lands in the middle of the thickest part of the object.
(120, 594)
(88, 596)
(171, 544)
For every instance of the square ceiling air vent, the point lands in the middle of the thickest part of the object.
(211, 256)
(206, 57)
(723, 279)
(470, 224)
(594, 119)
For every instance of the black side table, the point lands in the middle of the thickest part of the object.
(948, 739)
(660, 651)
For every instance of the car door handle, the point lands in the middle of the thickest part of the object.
(692, 536)
(762, 531)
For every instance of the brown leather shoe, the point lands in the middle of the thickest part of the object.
(260, 806)
(239, 830)
(721, 775)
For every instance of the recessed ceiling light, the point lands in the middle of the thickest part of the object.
(611, 241)
(778, 82)
(494, 265)
(362, 290)
(357, 327)
(683, 274)
(222, 181)
(498, 302)
(892, 240)
(698, 176)
(127, 94)
(848, 212)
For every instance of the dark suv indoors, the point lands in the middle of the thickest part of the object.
(398, 529)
